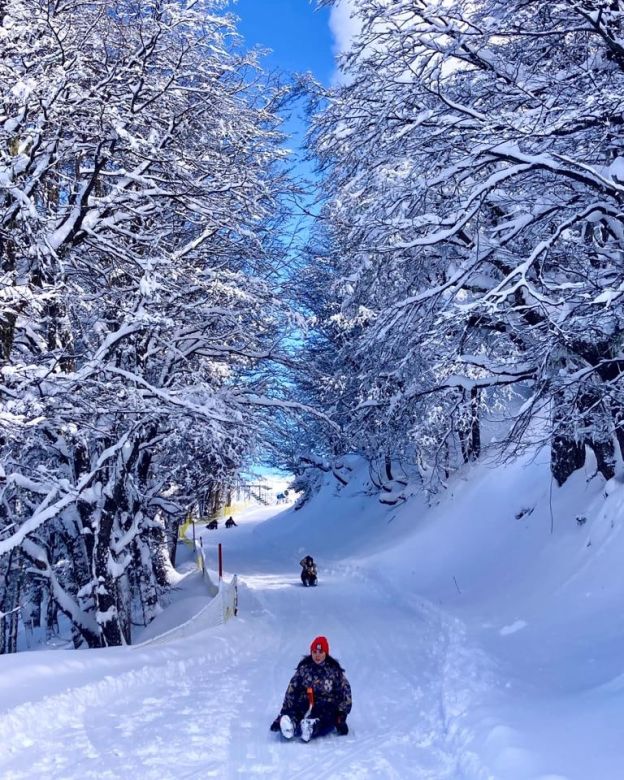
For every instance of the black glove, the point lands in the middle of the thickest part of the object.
(275, 726)
(341, 726)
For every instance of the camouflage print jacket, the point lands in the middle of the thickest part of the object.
(328, 682)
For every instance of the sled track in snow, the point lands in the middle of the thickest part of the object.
(441, 677)
(399, 658)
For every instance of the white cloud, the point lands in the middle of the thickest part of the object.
(343, 25)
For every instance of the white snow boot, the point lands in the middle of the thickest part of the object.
(287, 727)
(307, 728)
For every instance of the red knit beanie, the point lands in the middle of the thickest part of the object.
(320, 643)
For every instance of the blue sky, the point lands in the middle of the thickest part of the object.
(298, 34)
(301, 40)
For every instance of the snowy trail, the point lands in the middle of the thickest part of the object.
(380, 647)
(201, 707)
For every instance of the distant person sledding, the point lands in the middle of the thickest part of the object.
(308, 571)
(229, 523)
(213, 525)
(282, 498)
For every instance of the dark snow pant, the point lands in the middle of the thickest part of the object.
(308, 579)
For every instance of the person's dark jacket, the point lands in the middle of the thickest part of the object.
(309, 568)
(330, 687)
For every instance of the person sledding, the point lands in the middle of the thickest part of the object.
(308, 571)
(318, 697)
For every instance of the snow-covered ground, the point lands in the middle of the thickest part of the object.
(483, 638)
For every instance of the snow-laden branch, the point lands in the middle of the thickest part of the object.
(172, 397)
(36, 553)
(277, 403)
(48, 511)
(559, 164)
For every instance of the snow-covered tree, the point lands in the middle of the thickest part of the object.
(474, 175)
(140, 190)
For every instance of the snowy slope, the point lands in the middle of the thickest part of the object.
(481, 637)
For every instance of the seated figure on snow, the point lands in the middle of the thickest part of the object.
(308, 571)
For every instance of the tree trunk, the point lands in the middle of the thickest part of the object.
(605, 457)
(388, 467)
(175, 532)
(469, 428)
(566, 456)
(594, 413)
(106, 614)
